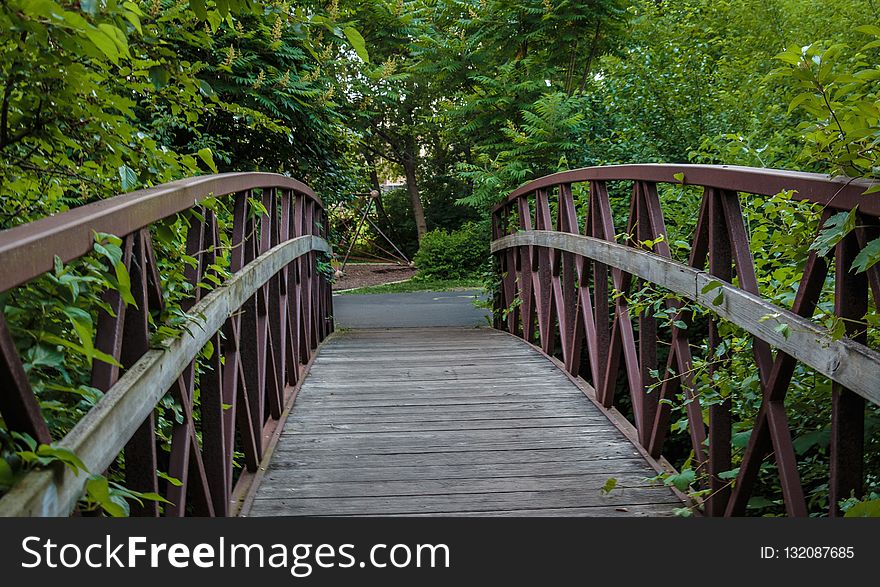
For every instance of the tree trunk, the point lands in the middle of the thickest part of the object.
(383, 218)
(409, 168)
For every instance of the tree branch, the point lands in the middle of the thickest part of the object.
(594, 48)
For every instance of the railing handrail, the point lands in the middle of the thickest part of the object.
(843, 361)
(262, 324)
(839, 193)
(103, 432)
(27, 251)
(561, 260)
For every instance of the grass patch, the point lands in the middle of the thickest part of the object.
(418, 284)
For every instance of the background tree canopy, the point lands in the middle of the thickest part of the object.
(465, 99)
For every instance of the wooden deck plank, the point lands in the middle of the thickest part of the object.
(449, 422)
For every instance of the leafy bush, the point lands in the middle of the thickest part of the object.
(453, 255)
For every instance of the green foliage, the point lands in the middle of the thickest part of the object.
(869, 508)
(98, 98)
(838, 89)
(453, 255)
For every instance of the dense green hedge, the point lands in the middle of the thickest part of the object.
(453, 255)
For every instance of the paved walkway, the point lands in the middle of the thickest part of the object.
(409, 310)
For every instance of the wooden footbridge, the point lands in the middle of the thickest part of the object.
(257, 407)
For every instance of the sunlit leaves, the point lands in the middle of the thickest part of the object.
(838, 89)
(207, 158)
(357, 42)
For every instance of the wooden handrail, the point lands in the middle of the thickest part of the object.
(98, 438)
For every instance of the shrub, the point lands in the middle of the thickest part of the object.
(453, 255)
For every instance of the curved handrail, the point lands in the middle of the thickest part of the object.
(844, 361)
(559, 262)
(263, 325)
(99, 437)
(841, 193)
(29, 250)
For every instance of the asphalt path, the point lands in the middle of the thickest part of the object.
(409, 310)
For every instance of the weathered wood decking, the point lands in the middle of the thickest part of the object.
(449, 421)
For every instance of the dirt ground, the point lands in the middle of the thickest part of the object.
(364, 274)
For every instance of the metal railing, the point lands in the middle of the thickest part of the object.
(263, 323)
(565, 281)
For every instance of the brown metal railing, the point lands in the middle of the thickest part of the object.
(264, 323)
(560, 267)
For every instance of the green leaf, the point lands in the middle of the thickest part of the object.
(43, 8)
(791, 56)
(682, 480)
(152, 496)
(98, 491)
(710, 286)
(818, 438)
(198, 7)
(113, 254)
(357, 42)
(164, 232)
(759, 502)
(105, 44)
(609, 486)
(679, 177)
(172, 480)
(62, 454)
(864, 509)
(117, 36)
(135, 20)
(159, 76)
(869, 29)
(833, 231)
(82, 324)
(95, 354)
(731, 474)
(90, 7)
(208, 158)
(128, 176)
(7, 476)
(741, 439)
(208, 351)
(205, 88)
(867, 257)
(798, 100)
(783, 329)
(26, 439)
(123, 279)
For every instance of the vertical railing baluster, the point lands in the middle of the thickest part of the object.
(274, 338)
(18, 404)
(720, 260)
(566, 221)
(546, 311)
(598, 206)
(251, 406)
(847, 408)
(212, 400)
(526, 275)
(509, 274)
(140, 451)
(647, 324)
